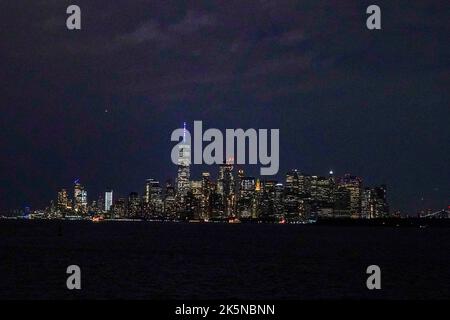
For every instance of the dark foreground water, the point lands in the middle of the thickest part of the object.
(138, 260)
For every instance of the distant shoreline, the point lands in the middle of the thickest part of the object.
(378, 222)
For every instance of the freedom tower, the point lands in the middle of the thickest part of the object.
(184, 161)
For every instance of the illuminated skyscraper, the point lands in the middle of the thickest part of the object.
(100, 204)
(134, 205)
(258, 198)
(268, 199)
(322, 196)
(304, 186)
(381, 202)
(195, 200)
(291, 198)
(153, 201)
(63, 200)
(119, 208)
(240, 176)
(77, 195)
(80, 198)
(170, 208)
(341, 206)
(279, 194)
(374, 203)
(246, 207)
(184, 162)
(321, 189)
(226, 188)
(354, 186)
(108, 200)
(216, 202)
(84, 201)
(292, 182)
(206, 193)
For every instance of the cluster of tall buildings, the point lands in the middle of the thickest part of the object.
(233, 195)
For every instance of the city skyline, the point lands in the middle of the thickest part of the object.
(183, 182)
(101, 101)
(239, 196)
(232, 195)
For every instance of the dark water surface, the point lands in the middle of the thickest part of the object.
(140, 260)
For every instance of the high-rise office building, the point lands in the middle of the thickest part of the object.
(80, 198)
(205, 210)
(119, 209)
(291, 198)
(153, 201)
(63, 200)
(246, 205)
(304, 186)
(240, 176)
(268, 199)
(322, 196)
(195, 197)
(382, 203)
(184, 162)
(134, 205)
(321, 189)
(100, 204)
(279, 194)
(170, 205)
(108, 200)
(342, 203)
(258, 197)
(354, 185)
(84, 201)
(226, 188)
(292, 182)
(374, 203)
(216, 202)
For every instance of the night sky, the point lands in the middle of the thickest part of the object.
(100, 104)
